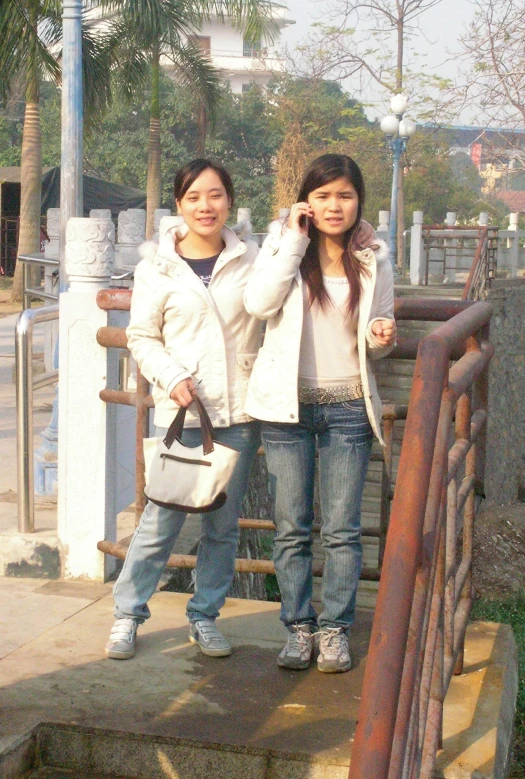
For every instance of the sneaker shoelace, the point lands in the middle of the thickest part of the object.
(333, 639)
(300, 638)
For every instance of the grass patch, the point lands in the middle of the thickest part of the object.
(511, 611)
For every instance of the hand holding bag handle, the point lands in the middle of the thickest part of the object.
(177, 426)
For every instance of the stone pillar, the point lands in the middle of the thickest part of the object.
(417, 265)
(85, 471)
(131, 233)
(384, 226)
(100, 213)
(51, 282)
(157, 216)
(514, 245)
(450, 243)
(483, 219)
(243, 228)
(168, 222)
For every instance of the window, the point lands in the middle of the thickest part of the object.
(202, 42)
(251, 48)
(246, 88)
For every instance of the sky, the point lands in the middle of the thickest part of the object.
(441, 26)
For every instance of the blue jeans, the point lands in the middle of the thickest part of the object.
(153, 540)
(344, 441)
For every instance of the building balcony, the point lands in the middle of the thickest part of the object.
(252, 62)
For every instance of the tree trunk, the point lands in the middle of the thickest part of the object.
(31, 181)
(154, 182)
(202, 129)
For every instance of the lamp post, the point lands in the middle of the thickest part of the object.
(397, 131)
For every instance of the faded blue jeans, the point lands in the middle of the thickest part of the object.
(344, 437)
(153, 540)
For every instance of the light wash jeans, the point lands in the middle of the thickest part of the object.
(159, 528)
(344, 440)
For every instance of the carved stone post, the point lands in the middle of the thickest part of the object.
(157, 216)
(383, 228)
(168, 222)
(131, 233)
(100, 213)
(85, 471)
(417, 269)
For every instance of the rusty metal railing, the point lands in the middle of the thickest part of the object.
(483, 269)
(425, 592)
(467, 251)
(115, 337)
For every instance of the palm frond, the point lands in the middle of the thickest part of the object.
(194, 69)
(254, 18)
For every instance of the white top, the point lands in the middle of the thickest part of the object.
(328, 356)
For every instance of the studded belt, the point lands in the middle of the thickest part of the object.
(331, 394)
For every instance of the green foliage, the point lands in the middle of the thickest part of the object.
(511, 612)
(249, 133)
(10, 142)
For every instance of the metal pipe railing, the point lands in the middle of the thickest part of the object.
(25, 386)
(35, 292)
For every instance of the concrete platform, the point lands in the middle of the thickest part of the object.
(171, 712)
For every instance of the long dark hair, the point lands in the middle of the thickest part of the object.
(322, 171)
(187, 175)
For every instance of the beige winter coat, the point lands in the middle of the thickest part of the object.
(274, 292)
(179, 328)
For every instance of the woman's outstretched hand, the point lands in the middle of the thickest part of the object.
(182, 392)
(385, 331)
(298, 219)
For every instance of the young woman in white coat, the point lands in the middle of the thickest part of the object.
(328, 297)
(188, 326)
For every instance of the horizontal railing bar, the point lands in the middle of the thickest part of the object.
(242, 565)
(114, 299)
(112, 337)
(428, 310)
(45, 379)
(38, 259)
(39, 293)
(123, 398)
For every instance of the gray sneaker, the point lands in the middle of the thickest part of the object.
(334, 655)
(297, 652)
(207, 635)
(121, 644)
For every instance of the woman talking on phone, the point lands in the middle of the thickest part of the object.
(188, 326)
(326, 288)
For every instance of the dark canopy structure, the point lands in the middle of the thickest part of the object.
(97, 194)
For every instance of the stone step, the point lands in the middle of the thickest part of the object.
(431, 291)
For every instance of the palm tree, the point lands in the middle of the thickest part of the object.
(142, 33)
(30, 33)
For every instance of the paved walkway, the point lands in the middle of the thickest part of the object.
(171, 712)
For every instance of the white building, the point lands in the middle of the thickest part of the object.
(240, 61)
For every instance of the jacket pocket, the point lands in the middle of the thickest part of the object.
(266, 375)
(245, 360)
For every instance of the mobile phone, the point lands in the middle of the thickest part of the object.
(304, 221)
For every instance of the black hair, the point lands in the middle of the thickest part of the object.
(321, 171)
(188, 174)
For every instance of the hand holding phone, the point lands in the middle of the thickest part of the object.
(299, 218)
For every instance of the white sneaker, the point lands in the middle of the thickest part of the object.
(209, 638)
(297, 652)
(121, 644)
(334, 655)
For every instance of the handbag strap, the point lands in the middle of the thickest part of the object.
(177, 426)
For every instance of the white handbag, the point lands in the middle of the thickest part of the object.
(189, 479)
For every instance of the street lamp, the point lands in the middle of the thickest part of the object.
(397, 131)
